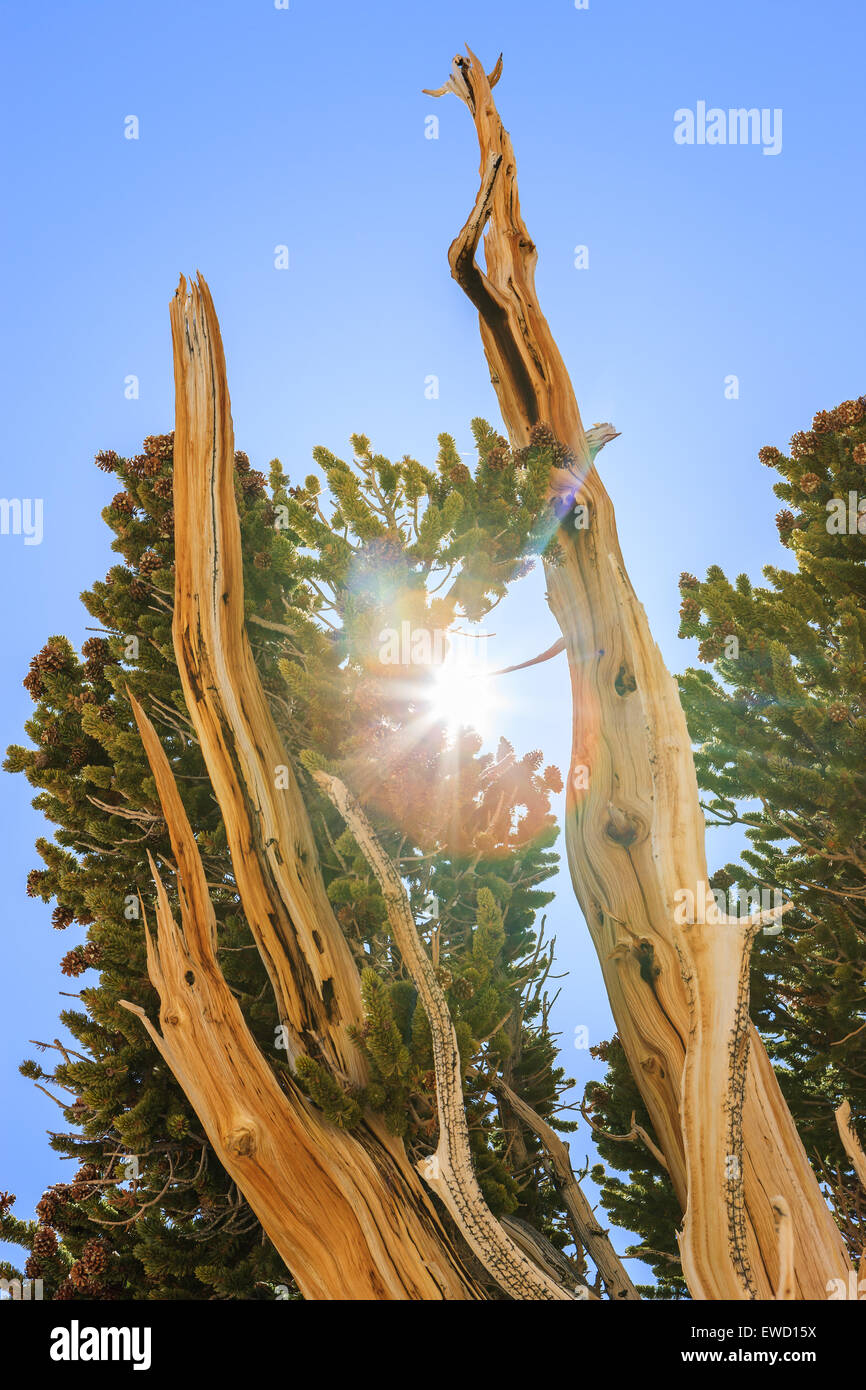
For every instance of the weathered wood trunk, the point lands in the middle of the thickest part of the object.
(347, 1211)
(635, 830)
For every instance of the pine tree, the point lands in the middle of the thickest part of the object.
(780, 729)
(150, 1212)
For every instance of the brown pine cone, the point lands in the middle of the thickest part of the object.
(47, 1207)
(44, 1243)
(150, 562)
(838, 712)
(253, 483)
(64, 1292)
(123, 503)
(803, 443)
(810, 482)
(94, 1257)
(769, 455)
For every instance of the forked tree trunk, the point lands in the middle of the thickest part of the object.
(347, 1211)
(635, 830)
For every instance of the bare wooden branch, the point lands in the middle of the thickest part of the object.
(592, 1236)
(269, 835)
(449, 1171)
(852, 1145)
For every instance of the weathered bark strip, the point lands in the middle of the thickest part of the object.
(269, 834)
(449, 1171)
(347, 1220)
(592, 1236)
(852, 1145)
(635, 831)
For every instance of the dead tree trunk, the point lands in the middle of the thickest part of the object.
(635, 830)
(347, 1211)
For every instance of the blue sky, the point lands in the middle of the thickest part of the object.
(306, 128)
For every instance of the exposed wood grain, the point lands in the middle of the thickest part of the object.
(350, 1221)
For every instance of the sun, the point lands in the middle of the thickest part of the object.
(463, 696)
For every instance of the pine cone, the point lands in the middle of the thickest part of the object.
(823, 422)
(710, 649)
(48, 1207)
(689, 581)
(542, 437)
(769, 455)
(498, 459)
(785, 522)
(459, 474)
(810, 482)
(107, 460)
(64, 1292)
(838, 712)
(123, 503)
(62, 917)
(852, 412)
(803, 443)
(77, 1275)
(44, 1243)
(35, 880)
(150, 562)
(81, 1185)
(77, 755)
(54, 656)
(94, 1257)
(253, 483)
(160, 446)
(242, 463)
(32, 1268)
(72, 964)
(859, 454)
(262, 560)
(462, 988)
(164, 487)
(32, 682)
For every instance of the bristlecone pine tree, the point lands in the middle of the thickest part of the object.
(320, 1043)
(150, 1211)
(781, 735)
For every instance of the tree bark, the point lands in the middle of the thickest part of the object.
(634, 826)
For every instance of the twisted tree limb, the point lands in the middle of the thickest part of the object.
(449, 1171)
(591, 1235)
(634, 827)
(852, 1145)
(269, 835)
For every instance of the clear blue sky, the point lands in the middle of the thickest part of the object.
(305, 127)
